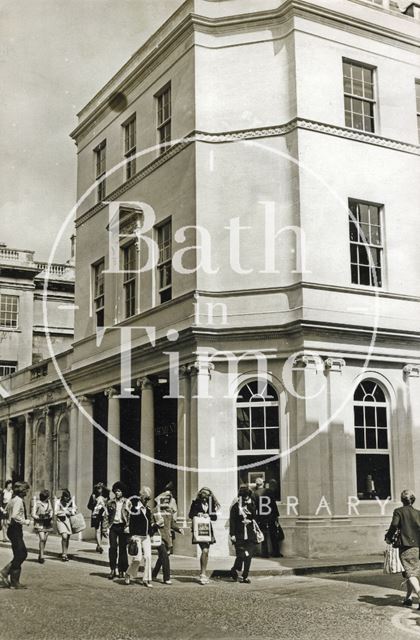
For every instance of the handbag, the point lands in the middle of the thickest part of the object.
(280, 533)
(392, 562)
(156, 540)
(396, 539)
(133, 548)
(77, 523)
(201, 529)
(258, 532)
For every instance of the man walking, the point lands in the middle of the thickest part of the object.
(16, 518)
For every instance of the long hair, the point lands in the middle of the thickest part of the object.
(96, 490)
(215, 504)
(65, 496)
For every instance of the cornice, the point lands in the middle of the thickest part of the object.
(251, 134)
(193, 22)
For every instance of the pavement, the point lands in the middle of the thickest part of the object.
(85, 552)
(71, 600)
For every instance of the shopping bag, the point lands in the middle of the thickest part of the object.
(77, 523)
(392, 562)
(201, 529)
(259, 534)
(156, 540)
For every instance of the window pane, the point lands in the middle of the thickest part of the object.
(272, 416)
(360, 438)
(358, 416)
(242, 416)
(381, 416)
(359, 394)
(258, 439)
(364, 275)
(382, 439)
(369, 386)
(370, 416)
(377, 467)
(273, 438)
(370, 438)
(257, 417)
(244, 439)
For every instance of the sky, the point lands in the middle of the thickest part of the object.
(54, 56)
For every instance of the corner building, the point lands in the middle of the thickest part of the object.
(267, 151)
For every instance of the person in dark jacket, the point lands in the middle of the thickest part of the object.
(141, 527)
(406, 521)
(268, 520)
(242, 532)
(166, 526)
(16, 518)
(205, 504)
(118, 518)
(99, 519)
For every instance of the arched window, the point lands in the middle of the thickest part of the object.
(371, 441)
(257, 417)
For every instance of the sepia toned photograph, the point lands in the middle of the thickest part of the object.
(210, 319)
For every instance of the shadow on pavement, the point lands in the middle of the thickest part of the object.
(389, 600)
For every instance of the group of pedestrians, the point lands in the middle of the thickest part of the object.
(134, 525)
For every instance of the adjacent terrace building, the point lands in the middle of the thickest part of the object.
(247, 274)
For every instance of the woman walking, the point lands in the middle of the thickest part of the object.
(42, 513)
(5, 497)
(16, 518)
(205, 506)
(140, 528)
(166, 524)
(118, 517)
(406, 524)
(99, 519)
(242, 530)
(64, 508)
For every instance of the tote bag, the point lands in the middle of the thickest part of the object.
(201, 529)
(77, 523)
(392, 562)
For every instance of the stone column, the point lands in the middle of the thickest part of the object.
(338, 440)
(49, 445)
(28, 447)
(113, 462)
(147, 435)
(411, 374)
(10, 450)
(183, 453)
(73, 419)
(84, 480)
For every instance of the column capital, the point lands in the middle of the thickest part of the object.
(29, 417)
(46, 411)
(334, 364)
(411, 371)
(184, 371)
(308, 361)
(200, 367)
(110, 392)
(144, 383)
(84, 400)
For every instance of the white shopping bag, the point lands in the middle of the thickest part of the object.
(392, 562)
(201, 529)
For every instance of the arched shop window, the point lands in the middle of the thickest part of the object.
(371, 441)
(258, 433)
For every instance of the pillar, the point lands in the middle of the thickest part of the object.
(113, 461)
(411, 374)
(10, 450)
(183, 453)
(28, 448)
(338, 439)
(73, 418)
(49, 448)
(147, 435)
(84, 456)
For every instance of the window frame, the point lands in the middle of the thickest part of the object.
(417, 95)
(356, 226)
(100, 170)
(9, 313)
(164, 265)
(99, 296)
(130, 136)
(8, 364)
(257, 404)
(129, 278)
(370, 450)
(164, 124)
(365, 100)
